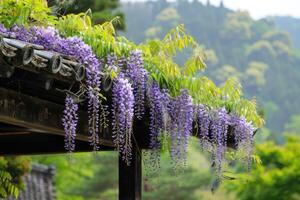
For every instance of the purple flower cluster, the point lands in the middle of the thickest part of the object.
(122, 115)
(70, 120)
(122, 62)
(203, 123)
(138, 76)
(158, 101)
(156, 114)
(219, 129)
(243, 136)
(181, 114)
(112, 62)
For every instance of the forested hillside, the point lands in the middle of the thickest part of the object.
(291, 25)
(257, 52)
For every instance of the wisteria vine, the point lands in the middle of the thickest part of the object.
(133, 90)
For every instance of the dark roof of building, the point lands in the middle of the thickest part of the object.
(32, 57)
(39, 184)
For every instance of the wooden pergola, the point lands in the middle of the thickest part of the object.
(33, 84)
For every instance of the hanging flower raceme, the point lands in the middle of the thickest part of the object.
(70, 120)
(203, 123)
(181, 113)
(152, 157)
(158, 101)
(156, 114)
(122, 115)
(219, 130)
(93, 83)
(243, 136)
(138, 76)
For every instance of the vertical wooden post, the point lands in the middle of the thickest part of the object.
(130, 177)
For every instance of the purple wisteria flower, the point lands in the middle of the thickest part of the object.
(181, 114)
(156, 107)
(112, 62)
(203, 122)
(243, 136)
(219, 129)
(70, 120)
(158, 101)
(152, 156)
(122, 62)
(122, 115)
(138, 76)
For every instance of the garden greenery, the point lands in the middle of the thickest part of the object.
(180, 100)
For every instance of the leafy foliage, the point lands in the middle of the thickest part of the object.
(100, 10)
(11, 171)
(278, 177)
(24, 12)
(7, 187)
(290, 25)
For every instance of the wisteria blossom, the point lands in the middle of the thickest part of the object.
(219, 130)
(181, 113)
(70, 119)
(243, 136)
(138, 76)
(203, 123)
(122, 115)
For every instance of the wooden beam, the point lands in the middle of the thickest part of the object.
(14, 133)
(130, 177)
(40, 115)
(40, 143)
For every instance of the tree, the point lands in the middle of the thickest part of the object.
(281, 36)
(278, 178)
(237, 27)
(225, 72)
(101, 10)
(293, 126)
(261, 51)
